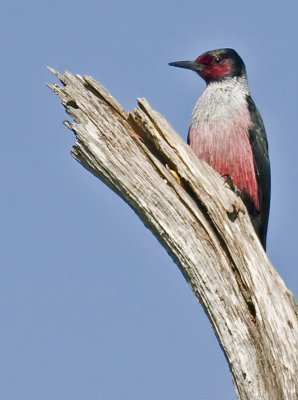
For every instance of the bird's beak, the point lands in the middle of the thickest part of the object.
(193, 65)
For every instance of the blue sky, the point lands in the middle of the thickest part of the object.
(91, 306)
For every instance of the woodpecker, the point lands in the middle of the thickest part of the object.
(228, 132)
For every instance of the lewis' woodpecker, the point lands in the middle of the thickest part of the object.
(227, 131)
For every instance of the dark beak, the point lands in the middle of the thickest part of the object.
(193, 65)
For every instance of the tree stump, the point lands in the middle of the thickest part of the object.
(204, 227)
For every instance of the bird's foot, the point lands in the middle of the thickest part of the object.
(230, 184)
(233, 214)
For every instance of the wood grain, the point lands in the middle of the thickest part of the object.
(202, 224)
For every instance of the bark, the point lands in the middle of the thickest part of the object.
(202, 224)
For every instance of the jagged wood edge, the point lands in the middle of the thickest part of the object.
(177, 196)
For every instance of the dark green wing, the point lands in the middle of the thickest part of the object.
(259, 144)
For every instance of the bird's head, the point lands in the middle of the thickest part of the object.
(215, 65)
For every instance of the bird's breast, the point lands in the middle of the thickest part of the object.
(219, 135)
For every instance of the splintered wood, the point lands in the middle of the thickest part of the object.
(188, 207)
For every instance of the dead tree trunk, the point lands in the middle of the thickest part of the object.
(202, 224)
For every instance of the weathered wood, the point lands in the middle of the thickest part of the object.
(202, 224)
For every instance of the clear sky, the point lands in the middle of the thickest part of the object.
(91, 306)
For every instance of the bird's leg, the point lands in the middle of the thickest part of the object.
(232, 214)
(230, 184)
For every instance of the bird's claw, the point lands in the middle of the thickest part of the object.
(230, 184)
(233, 214)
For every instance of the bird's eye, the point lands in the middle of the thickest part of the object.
(217, 60)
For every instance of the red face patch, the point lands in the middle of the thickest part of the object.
(205, 59)
(213, 68)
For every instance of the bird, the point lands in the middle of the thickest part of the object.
(227, 131)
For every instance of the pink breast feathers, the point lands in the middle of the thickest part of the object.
(224, 144)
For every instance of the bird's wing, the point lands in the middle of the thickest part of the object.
(258, 141)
